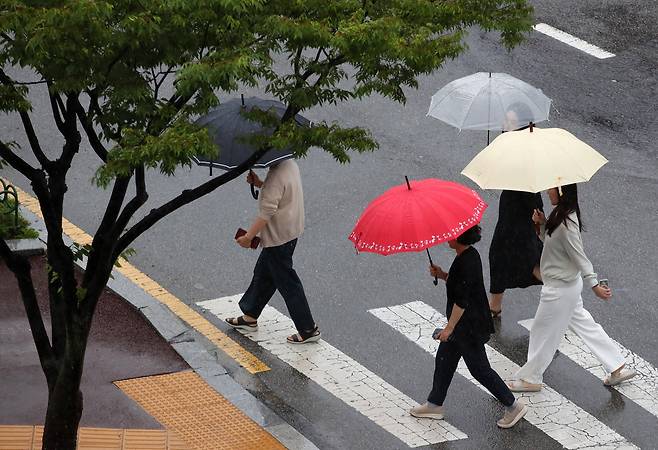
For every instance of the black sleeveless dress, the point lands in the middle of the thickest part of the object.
(515, 248)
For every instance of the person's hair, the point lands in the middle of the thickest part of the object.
(521, 110)
(567, 203)
(470, 236)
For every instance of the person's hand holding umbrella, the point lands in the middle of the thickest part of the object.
(437, 272)
(253, 179)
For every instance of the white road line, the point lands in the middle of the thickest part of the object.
(343, 377)
(549, 411)
(643, 389)
(573, 41)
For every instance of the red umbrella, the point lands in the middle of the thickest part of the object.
(415, 216)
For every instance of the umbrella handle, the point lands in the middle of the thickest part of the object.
(254, 192)
(436, 280)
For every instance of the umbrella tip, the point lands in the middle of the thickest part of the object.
(407, 180)
(531, 125)
(242, 98)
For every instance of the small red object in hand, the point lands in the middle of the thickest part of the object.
(255, 242)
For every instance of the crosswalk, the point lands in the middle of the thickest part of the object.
(549, 411)
(383, 404)
(341, 376)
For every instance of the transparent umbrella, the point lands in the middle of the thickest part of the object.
(489, 101)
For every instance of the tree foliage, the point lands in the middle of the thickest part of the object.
(130, 76)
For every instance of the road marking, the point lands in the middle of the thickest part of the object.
(573, 41)
(177, 306)
(643, 389)
(343, 377)
(549, 411)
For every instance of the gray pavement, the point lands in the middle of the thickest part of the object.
(608, 103)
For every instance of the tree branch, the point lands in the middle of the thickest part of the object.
(141, 196)
(21, 268)
(29, 83)
(114, 206)
(56, 106)
(29, 129)
(96, 108)
(101, 245)
(88, 126)
(185, 197)
(71, 135)
(19, 164)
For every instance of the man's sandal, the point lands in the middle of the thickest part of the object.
(240, 324)
(304, 337)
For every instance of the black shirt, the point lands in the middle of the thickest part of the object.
(465, 287)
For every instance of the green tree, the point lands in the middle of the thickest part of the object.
(129, 75)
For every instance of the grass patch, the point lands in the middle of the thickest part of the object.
(7, 228)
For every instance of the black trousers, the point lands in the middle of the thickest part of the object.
(274, 271)
(475, 357)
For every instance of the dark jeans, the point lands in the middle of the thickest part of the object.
(274, 271)
(475, 357)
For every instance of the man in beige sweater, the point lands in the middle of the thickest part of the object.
(280, 222)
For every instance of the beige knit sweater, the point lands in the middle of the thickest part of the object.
(281, 204)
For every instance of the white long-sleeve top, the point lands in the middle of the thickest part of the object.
(563, 259)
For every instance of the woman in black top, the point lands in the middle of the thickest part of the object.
(469, 327)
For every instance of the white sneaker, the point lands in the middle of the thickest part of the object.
(623, 375)
(427, 411)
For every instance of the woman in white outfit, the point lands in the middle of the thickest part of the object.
(563, 263)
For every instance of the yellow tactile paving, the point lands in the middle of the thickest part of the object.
(187, 405)
(242, 356)
(30, 438)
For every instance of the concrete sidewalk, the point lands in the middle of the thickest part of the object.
(151, 364)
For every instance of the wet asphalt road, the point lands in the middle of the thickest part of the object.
(611, 104)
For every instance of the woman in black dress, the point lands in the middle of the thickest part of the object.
(515, 249)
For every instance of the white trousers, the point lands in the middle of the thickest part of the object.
(559, 309)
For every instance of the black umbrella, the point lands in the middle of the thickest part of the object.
(229, 128)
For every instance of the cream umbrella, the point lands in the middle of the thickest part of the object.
(533, 160)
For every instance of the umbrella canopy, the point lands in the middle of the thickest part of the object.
(228, 128)
(534, 160)
(489, 101)
(415, 216)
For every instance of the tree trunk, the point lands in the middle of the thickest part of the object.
(64, 395)
(63, 415)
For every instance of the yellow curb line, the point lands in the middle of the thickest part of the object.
(242, 356)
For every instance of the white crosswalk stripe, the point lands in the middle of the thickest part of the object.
(643, 389)
(341, 376)
(549, 411)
